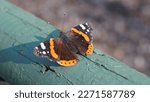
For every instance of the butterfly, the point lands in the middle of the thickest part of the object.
(64, 49)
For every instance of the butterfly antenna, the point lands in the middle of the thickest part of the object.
(63, 24)
(63, 21)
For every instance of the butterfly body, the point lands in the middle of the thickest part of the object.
(63, 50)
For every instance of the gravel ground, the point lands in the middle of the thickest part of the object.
(121, 27)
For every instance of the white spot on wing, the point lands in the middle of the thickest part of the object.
(44, 52)
(42, 46)
(82, 26)
(88, 30)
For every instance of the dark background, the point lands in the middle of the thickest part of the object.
(121, 27)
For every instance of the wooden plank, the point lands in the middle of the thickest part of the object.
(20, 32)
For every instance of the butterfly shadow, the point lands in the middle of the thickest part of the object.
(23, 53)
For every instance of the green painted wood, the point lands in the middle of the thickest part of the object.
(20, 31)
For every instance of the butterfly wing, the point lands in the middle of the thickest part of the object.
(81, 38)
(42, 49)
(56, 49)
(60, 51)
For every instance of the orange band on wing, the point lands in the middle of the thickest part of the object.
(67, 63)
(90, 49)
(81, 33)
(52, 50)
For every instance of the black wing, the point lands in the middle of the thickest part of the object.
(61, 52)
(81, 38)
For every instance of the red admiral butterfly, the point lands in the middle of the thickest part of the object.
(63, 49)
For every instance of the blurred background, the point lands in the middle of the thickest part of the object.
(121, 27)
